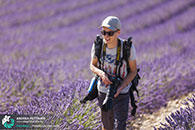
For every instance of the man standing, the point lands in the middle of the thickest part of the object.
(110, 30)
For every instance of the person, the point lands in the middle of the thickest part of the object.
(117, 116)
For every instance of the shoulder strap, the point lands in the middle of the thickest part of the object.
(126, 51)
(98, 48)
(126, 54)
(104, 54)
(118, 58)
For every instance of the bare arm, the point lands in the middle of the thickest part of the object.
(99, 72)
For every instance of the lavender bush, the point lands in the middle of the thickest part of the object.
(182, 119)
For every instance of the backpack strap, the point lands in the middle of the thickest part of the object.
(126, 51)
(118, 58)
(98, 48)
(126, 54)
(104, 54)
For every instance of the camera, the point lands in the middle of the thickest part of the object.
(108, 101)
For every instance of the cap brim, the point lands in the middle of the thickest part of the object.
(110, 27)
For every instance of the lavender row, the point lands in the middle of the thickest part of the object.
(65, 105)
(60, 49)
(56, 14)
(21, 82)
(69, 28)
(34, 36)
(90, 38)
(167, 45)
(122, 9)
(68, 35)
(137, 12)
(171, 26)
(167, 78)
(163, 16)
(182, 119)
(174, 25)
(31, 11)
(157, 15)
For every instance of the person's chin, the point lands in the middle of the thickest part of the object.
(107, 41)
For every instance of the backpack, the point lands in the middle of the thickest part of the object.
(126, 54)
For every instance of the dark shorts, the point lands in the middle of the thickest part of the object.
(117, 116)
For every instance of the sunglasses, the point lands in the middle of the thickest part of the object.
(110, 33)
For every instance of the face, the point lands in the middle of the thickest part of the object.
(110, 37)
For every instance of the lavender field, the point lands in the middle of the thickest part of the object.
(45, 51)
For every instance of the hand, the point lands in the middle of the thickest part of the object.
(117, 92)
(105, 79)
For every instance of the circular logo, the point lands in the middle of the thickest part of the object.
(8, 123)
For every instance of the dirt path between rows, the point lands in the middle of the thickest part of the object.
(148, 121)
